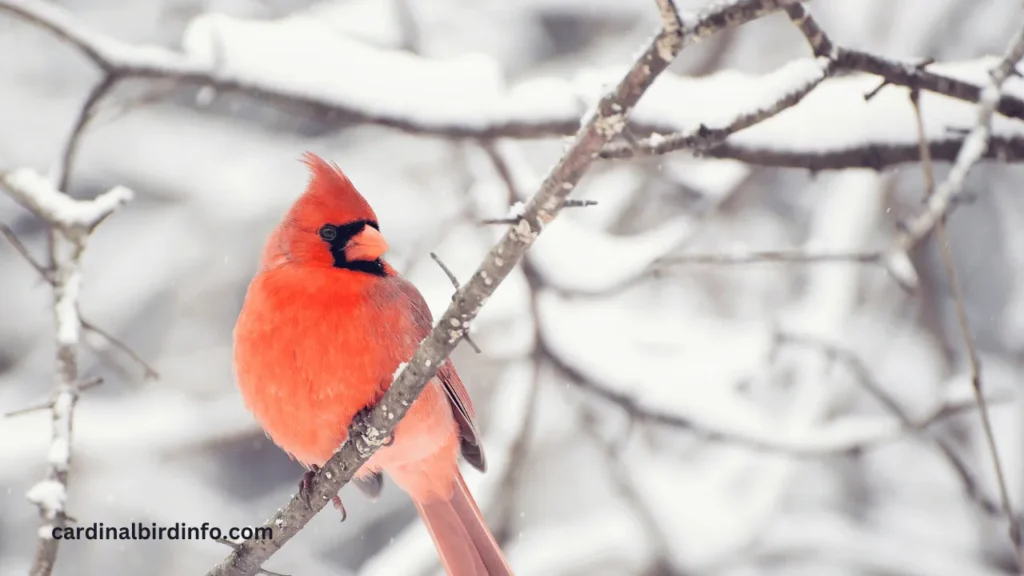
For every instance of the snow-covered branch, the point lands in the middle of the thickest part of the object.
(972, 150)
(781, 90)
(600, 125)
(58, 209)
(72, 221)
(269, 60)
(788, 117)
(919, 76)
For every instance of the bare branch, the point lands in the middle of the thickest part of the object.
(945, 448)
(72, 222)
(455, 284)
(88, 325)
(780, 445)
(21, 249)
(770, 256)
(606, 120)
(149, 372)
(875, 156)
(513, 477)
(515, 211)
(625, 485)
(85, 115)
(79, 387)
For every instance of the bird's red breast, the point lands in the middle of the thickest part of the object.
(315, 343)
(324, 325)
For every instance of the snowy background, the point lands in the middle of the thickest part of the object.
(682, 419)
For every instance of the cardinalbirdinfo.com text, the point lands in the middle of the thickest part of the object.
(143, 531)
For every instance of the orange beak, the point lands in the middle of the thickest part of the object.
(367, 245)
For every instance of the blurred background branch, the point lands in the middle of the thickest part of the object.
(71, 222)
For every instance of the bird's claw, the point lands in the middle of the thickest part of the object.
(390, 440)
(339, 506)
(306, 491)
(306, 485)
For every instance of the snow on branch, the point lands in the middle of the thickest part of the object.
(601, 124)
(800, 115)
(278, 61)
(58, 209)
(774, 93)
(972, 150)
(72, 221)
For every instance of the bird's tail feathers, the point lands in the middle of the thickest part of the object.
(464, 543)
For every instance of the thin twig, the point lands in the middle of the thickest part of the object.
(48, 404)
(519, 451)
(148, 371)
(606, 120)
(751, 440)
(972, 488)
(945, 247)
(85, 115)
(769, 257)
(706, 138)
(455, 284)
(876, 156)
(620, 475)
(88, 325)
(515, 218)
(511, 482)
(21, 249)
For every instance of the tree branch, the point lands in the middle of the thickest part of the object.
(876, 156)
(72, 221)
(919, 428)
(120, 60)
(87, 325)
(769, 256)
(900, 73)
(605, 121)
(973, 148)
(705, 141)
(1015, 52)
(705, 138)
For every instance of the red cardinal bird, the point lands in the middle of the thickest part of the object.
(324, 326)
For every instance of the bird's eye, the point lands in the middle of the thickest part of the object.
(328, 232)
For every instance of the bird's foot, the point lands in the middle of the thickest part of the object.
(306, 491)
(339, 506)
(306, 485)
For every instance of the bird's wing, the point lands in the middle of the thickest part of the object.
(455, 390)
